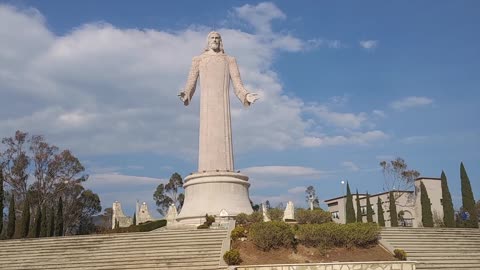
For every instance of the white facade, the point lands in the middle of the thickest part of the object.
(407, 201)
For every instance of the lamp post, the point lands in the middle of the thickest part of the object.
(344, 200)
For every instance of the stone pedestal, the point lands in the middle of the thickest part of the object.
(211, 192)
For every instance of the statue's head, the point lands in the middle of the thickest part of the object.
(214, 42)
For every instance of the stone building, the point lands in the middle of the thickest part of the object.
(408, 203)
(141, 215)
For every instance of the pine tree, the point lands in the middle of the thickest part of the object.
(369, 210)
(44, 223)
(59, 219)
(393, 210)
(381, 218)
(448, 212)
(349, 211)
(467, 199)
(427, 217)
(2, 194)
(25, 222)
(359, 210)
(134, 222)
(11, 218)
(51, 223)
(38, 222)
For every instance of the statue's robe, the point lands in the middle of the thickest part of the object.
(216, 70)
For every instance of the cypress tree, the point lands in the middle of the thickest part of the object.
(381, 218)
(349, 211)
(59, 219)
(427, 217)
(11, 218)
(44, 229)
(369, 210)
(38, 222)
(467, 199)
(393, 210)
(2, 194)
(25, 223)
(359, 210)
(51, 223)
(448, 212)
(134, 222)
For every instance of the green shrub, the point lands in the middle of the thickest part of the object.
(275, 214)
(232, 257)
(150, 226)
(315, 216)
(241, 219)
(400, 254)
(255, 217)
(143, 227)
(341, 235)
(209, 220)
(273, 234)
(238, 232)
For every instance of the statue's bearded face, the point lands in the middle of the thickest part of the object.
(214, 41)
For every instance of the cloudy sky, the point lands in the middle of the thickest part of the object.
(343, 85)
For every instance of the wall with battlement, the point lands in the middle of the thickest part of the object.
(333, 266)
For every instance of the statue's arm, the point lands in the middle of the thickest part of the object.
(240, 90)
(187, 93)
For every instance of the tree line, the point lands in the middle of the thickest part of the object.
(42, 187)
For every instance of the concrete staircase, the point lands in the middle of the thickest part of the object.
(436, 248)
(159, 249)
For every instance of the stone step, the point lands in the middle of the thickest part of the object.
(179, 249)
(215, 250)
(449, 266)
(118, 241)
(437, 248)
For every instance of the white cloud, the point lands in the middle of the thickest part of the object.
(415, 139)
(344, 120)
(351, 166)
(357, 138)
(260, 16)
(379, 113)
(285, 171)
(100, 89)
(297, 190)
(369, 44)
(410, 102)
(327, 43)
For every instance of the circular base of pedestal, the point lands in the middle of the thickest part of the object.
(211, 192)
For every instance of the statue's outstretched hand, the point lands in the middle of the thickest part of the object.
(252, 97)
(183, 97)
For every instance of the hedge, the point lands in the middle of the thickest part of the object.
(315, 216)
(271, 235)
(340, 235)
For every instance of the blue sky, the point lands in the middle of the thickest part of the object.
(343, 85)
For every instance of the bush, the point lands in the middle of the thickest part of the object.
(209, 220)
(144, 227)
(315, 216)
(341, 235)
(275, 214)
(255, 217)
(245, 220)
(238, 232)
(273, 234)
(400, 254)
(242, 219)
(232, 257)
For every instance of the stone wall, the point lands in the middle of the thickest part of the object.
(333, 266)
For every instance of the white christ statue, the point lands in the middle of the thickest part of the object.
(216, 69)
(216, 189)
